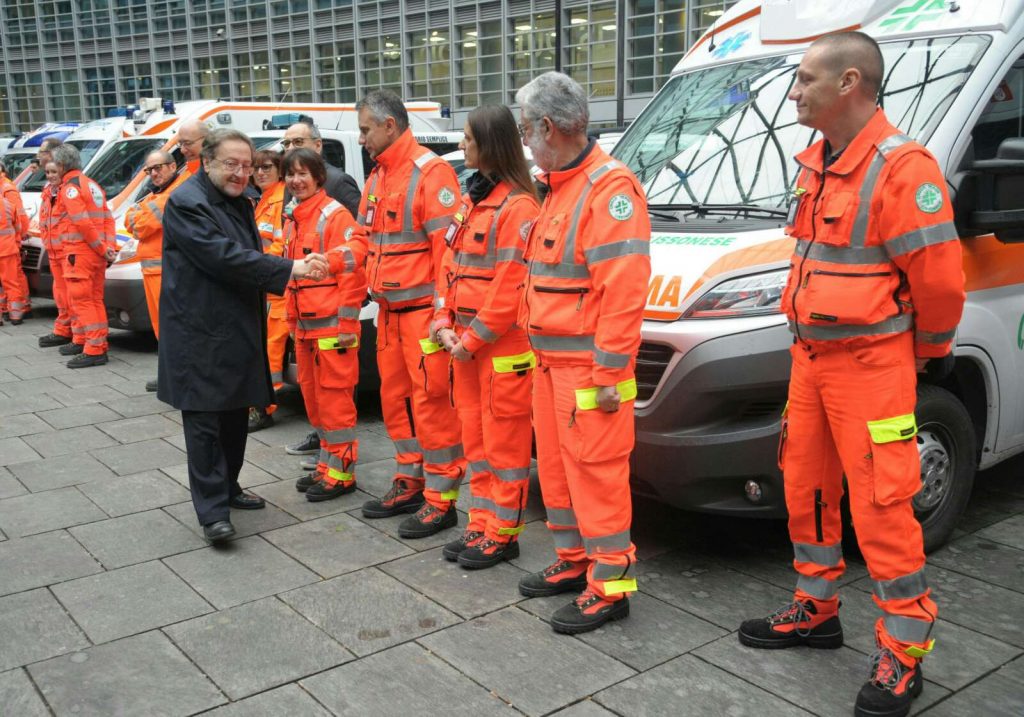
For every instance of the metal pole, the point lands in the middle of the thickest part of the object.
(620, 63)
(558, 35)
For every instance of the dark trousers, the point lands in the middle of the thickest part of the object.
(215, 442)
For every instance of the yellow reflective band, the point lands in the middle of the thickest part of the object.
(371, 198)
(341, 477)
(511, 364)
(617, 587)
(331, 343)
(450, 494)
(511, 531)
(800, 191)
(897, 428)
(586, 398)
(785, 410)
(429, 347)
(919, 652)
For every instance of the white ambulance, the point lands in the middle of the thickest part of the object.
(714, 151)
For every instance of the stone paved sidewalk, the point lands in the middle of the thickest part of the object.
(111, 603)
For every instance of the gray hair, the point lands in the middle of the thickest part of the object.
(216, 137)
(49, 144)
(314, 133)
(162, 154)
(559, 98)
(383, 104)
(67, 157)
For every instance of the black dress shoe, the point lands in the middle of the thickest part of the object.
(219, 531)
(71, 349)
(53, 340)
(247, 501)
(320, 491)
(259, 419)
(17, 322)
(87, 360)
(152, 386)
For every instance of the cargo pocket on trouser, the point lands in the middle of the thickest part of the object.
(896, 467)
(783, 437)
(603, 436)
(433, 369)
(510, 385)
(338, 365)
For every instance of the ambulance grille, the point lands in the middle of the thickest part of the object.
(30, 258)
(651, 362)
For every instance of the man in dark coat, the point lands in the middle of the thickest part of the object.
(213, 359)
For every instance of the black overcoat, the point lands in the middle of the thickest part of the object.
(213, 327)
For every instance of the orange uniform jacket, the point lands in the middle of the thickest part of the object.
(877, 253)
(10, 193)
(321, 309)
(483, 270)
(10, 239)
(84, 223)
(589, 266)
(144, 220)
(407, 205)
(269, 212)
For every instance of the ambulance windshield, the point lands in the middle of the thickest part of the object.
(723, 138)
(115, 169)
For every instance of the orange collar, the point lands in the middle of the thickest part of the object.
(399, 151)
(595, 158)
(309, 208)
(862, 145)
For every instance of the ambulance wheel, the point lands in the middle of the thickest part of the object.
(946, 443)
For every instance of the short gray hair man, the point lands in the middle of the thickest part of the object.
(382, 104)
(559, 98)
(66, 157)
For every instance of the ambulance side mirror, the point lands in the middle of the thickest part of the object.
(990, 195)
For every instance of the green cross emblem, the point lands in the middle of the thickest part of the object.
(928, 198)
(620, 207)
(912, 14)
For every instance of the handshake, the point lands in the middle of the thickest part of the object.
(312, 266)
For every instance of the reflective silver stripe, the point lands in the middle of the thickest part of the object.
(311, 324)
(95, 327)
(441, 484)
(403, 237)
(510, 475)
(70, 237)
(477, 261)
(151, 263)
(96, 342)
(325, 213)
(442, 455)
(907, 629)
(158, 213)
(610, 360)
(817, 587)
(432, 225)
(334, 461)
(413, 470)
(323, 456)
(827, 556)
(564, 270)
(567, 539)
(407, 445)
(320, 433)
(895, 325)
(349, 260)
(276, 377)
(361, 218)
(414, 292)
(348, 312)
(483, 331)
(607, 543)
(340, 435)
(605, 571)
(512, 254)
(859, 233)
(96, 242)
(501, 512)
(464, 320)
(87, 215)
(931, 337)
(424, 159)
(564, 517)
(615, 249)
(478, 467)
(841, 254)
(267, 243)
(920, 238)
(903, 587)
(562, 343)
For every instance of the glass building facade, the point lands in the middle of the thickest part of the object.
(77, 59)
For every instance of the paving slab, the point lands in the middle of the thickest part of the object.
(249, 477)
(23, 425)
(1008, 532)
(376, 478)
(31, 404)
(988, 507)
(336, 544)
(289, 700)
(283, 432)
(33, 627)
(18, 696)
(994, 562)
(283, 495)
(134, 406)
(585, 708)
(254, 647)
(31, 387)
(704, 690)
(96, 376)
(136, 538)
(536, 548)
(369, 611)
(273, 460)
(16, 450)
(140, 428)
(135, 493)
(69, 442)
(246, 522)
(59, 472)
(123, 602)
(140, 675)
(390, 526)
(9, 485)
(241, 571)
(467, 593)
(654, 632)
(538, 671)
(1001, 693)
(709, 591)
(85, 415)
(40, 560)
(356, 689)
(141, 456)
(42, 512)
(131, 387)
(85, 395)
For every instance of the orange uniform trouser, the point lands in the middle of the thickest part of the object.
(583, 461)
(328, 379)
(151, 285)
(84, 274)
(15, 286)
(62, 324)
(833, 394)
(277, 342)
(493, 404)
(415, 398)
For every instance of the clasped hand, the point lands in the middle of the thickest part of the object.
(312, 266)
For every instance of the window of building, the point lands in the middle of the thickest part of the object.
(428, 65)
(589, 51)
(531, 48)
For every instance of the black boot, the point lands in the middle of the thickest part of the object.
(798, 623)
(453, 549)
(892, 687)
(488, 553)
(50, 340)
(306, 481)
(320, 491)
(402, 498)
(86, 360)
(588, 612)
(70, 349)
(428, 521)
(561, 576)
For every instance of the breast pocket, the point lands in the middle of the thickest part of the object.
(837, 217)
(548, 239)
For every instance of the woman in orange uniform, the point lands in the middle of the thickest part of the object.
(480, 286)
(324, 316)
(48, 221)
(270, 181)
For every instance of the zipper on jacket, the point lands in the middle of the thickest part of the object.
(803, 259)
(854, 274)
(402, 253)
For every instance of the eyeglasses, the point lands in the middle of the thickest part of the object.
(189, 142)
(155, 167)
(234, 167)
(266, 167)
(298, 142)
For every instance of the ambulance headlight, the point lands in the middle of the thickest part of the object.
(754, 295)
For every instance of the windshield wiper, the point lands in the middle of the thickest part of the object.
(705, 209)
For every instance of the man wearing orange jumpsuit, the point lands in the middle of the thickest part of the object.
(589, 266)
(190, 138)
(11, 279)
(144, 220)
(875, 291)
(407, 206)
(49, 222)
(86, 231)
